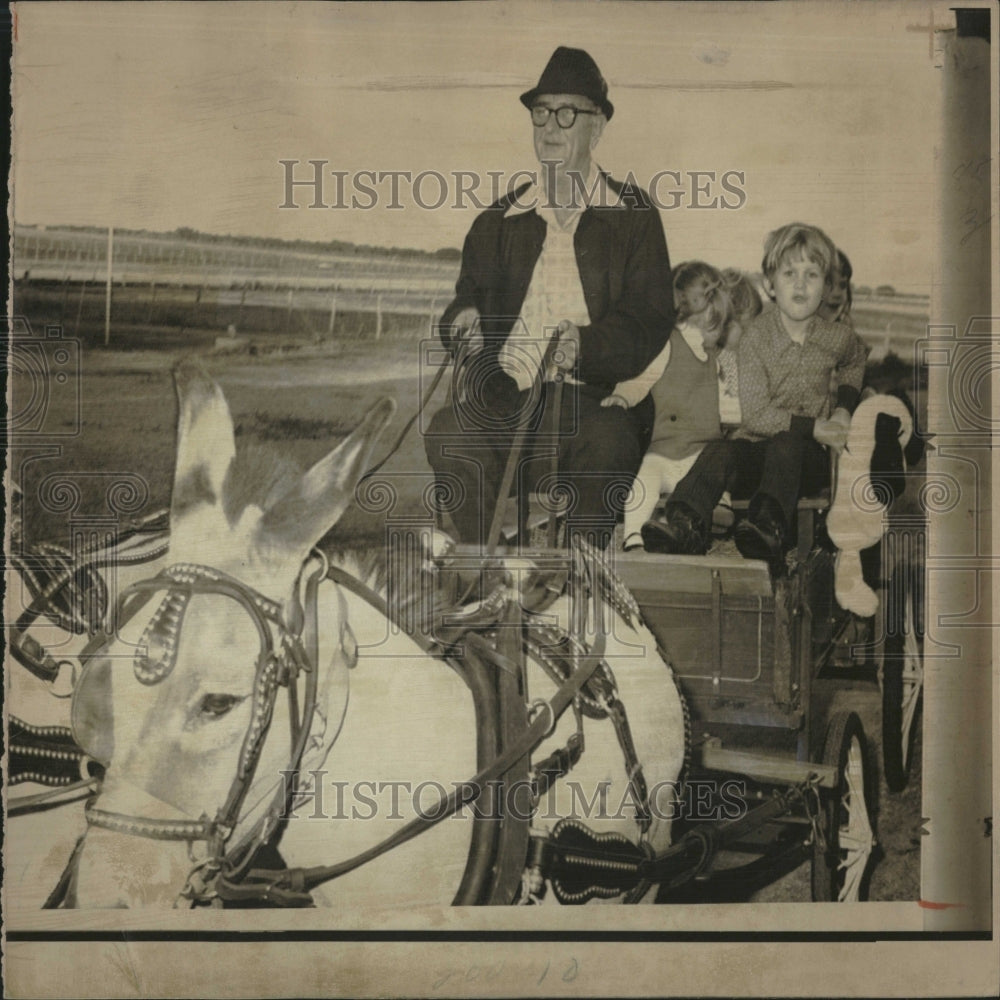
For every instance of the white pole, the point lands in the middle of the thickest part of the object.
(333, 316)
(107, 292)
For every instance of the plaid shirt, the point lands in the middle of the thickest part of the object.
(786, 386)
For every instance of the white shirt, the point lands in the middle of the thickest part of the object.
(555, 292)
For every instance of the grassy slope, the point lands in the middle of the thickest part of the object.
(301, 404)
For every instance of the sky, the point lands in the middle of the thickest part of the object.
(158, 116)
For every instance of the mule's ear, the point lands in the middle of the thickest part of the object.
(205, 442)
(302, 516)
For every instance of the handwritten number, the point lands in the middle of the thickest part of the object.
(973, 222)
(491, 972)
(972, 168)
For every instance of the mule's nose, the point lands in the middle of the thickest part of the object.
(121, 872)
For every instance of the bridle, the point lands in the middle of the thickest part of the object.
(280, 664)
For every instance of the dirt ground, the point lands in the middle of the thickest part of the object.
(302, 401)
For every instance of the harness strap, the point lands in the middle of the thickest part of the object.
(59, 894)
(267, 831)
(636, 778)
(61, 796)
(514, 456)
(133, 547)
(551, 532)
(558, 764)
(409, 423)
(599, 700)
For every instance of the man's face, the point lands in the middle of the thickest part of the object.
(569, 147)
(797, 286)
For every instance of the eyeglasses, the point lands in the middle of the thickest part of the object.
(565, 116)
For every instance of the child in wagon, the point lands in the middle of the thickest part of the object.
(746, 306)
(836, 305)
(786, 360)
(688, 380)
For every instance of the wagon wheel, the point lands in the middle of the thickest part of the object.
(841, 857)
(901, 673)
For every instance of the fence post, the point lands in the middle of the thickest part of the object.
(79, 307)
(288, 314)
(378, 316)
(65, 297)
(107, 293)
(333, 315)
(152, 302)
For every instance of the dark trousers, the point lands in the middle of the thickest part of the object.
(783, 468)
(588, 459)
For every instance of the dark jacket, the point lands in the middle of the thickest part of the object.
(624, 269)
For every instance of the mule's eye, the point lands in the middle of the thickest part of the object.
(216, 705)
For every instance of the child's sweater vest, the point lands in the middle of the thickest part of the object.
(687, 403)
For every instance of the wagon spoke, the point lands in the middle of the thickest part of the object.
(913, 680)
(853, 870)
(854, 841)
(855, 799)
(854, 835)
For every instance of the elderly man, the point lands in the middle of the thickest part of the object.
(565, 280)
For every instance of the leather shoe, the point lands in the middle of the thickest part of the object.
(682, 534)
(762, 536)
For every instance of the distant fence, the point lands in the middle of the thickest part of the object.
(78, 306)
(81, 255)
(891, 325)
(168, 283)
(317, 314)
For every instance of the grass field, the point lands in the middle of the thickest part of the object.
(298, 400)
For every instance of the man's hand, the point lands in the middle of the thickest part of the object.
(831, 433)
(465, 327)
(568, 348)
(615, 400)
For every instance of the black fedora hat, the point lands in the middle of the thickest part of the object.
(572, 71)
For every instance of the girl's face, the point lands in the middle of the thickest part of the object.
(696, 300)
(835, 300)
(707, 320)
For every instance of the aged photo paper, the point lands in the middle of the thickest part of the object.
(253, 664)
